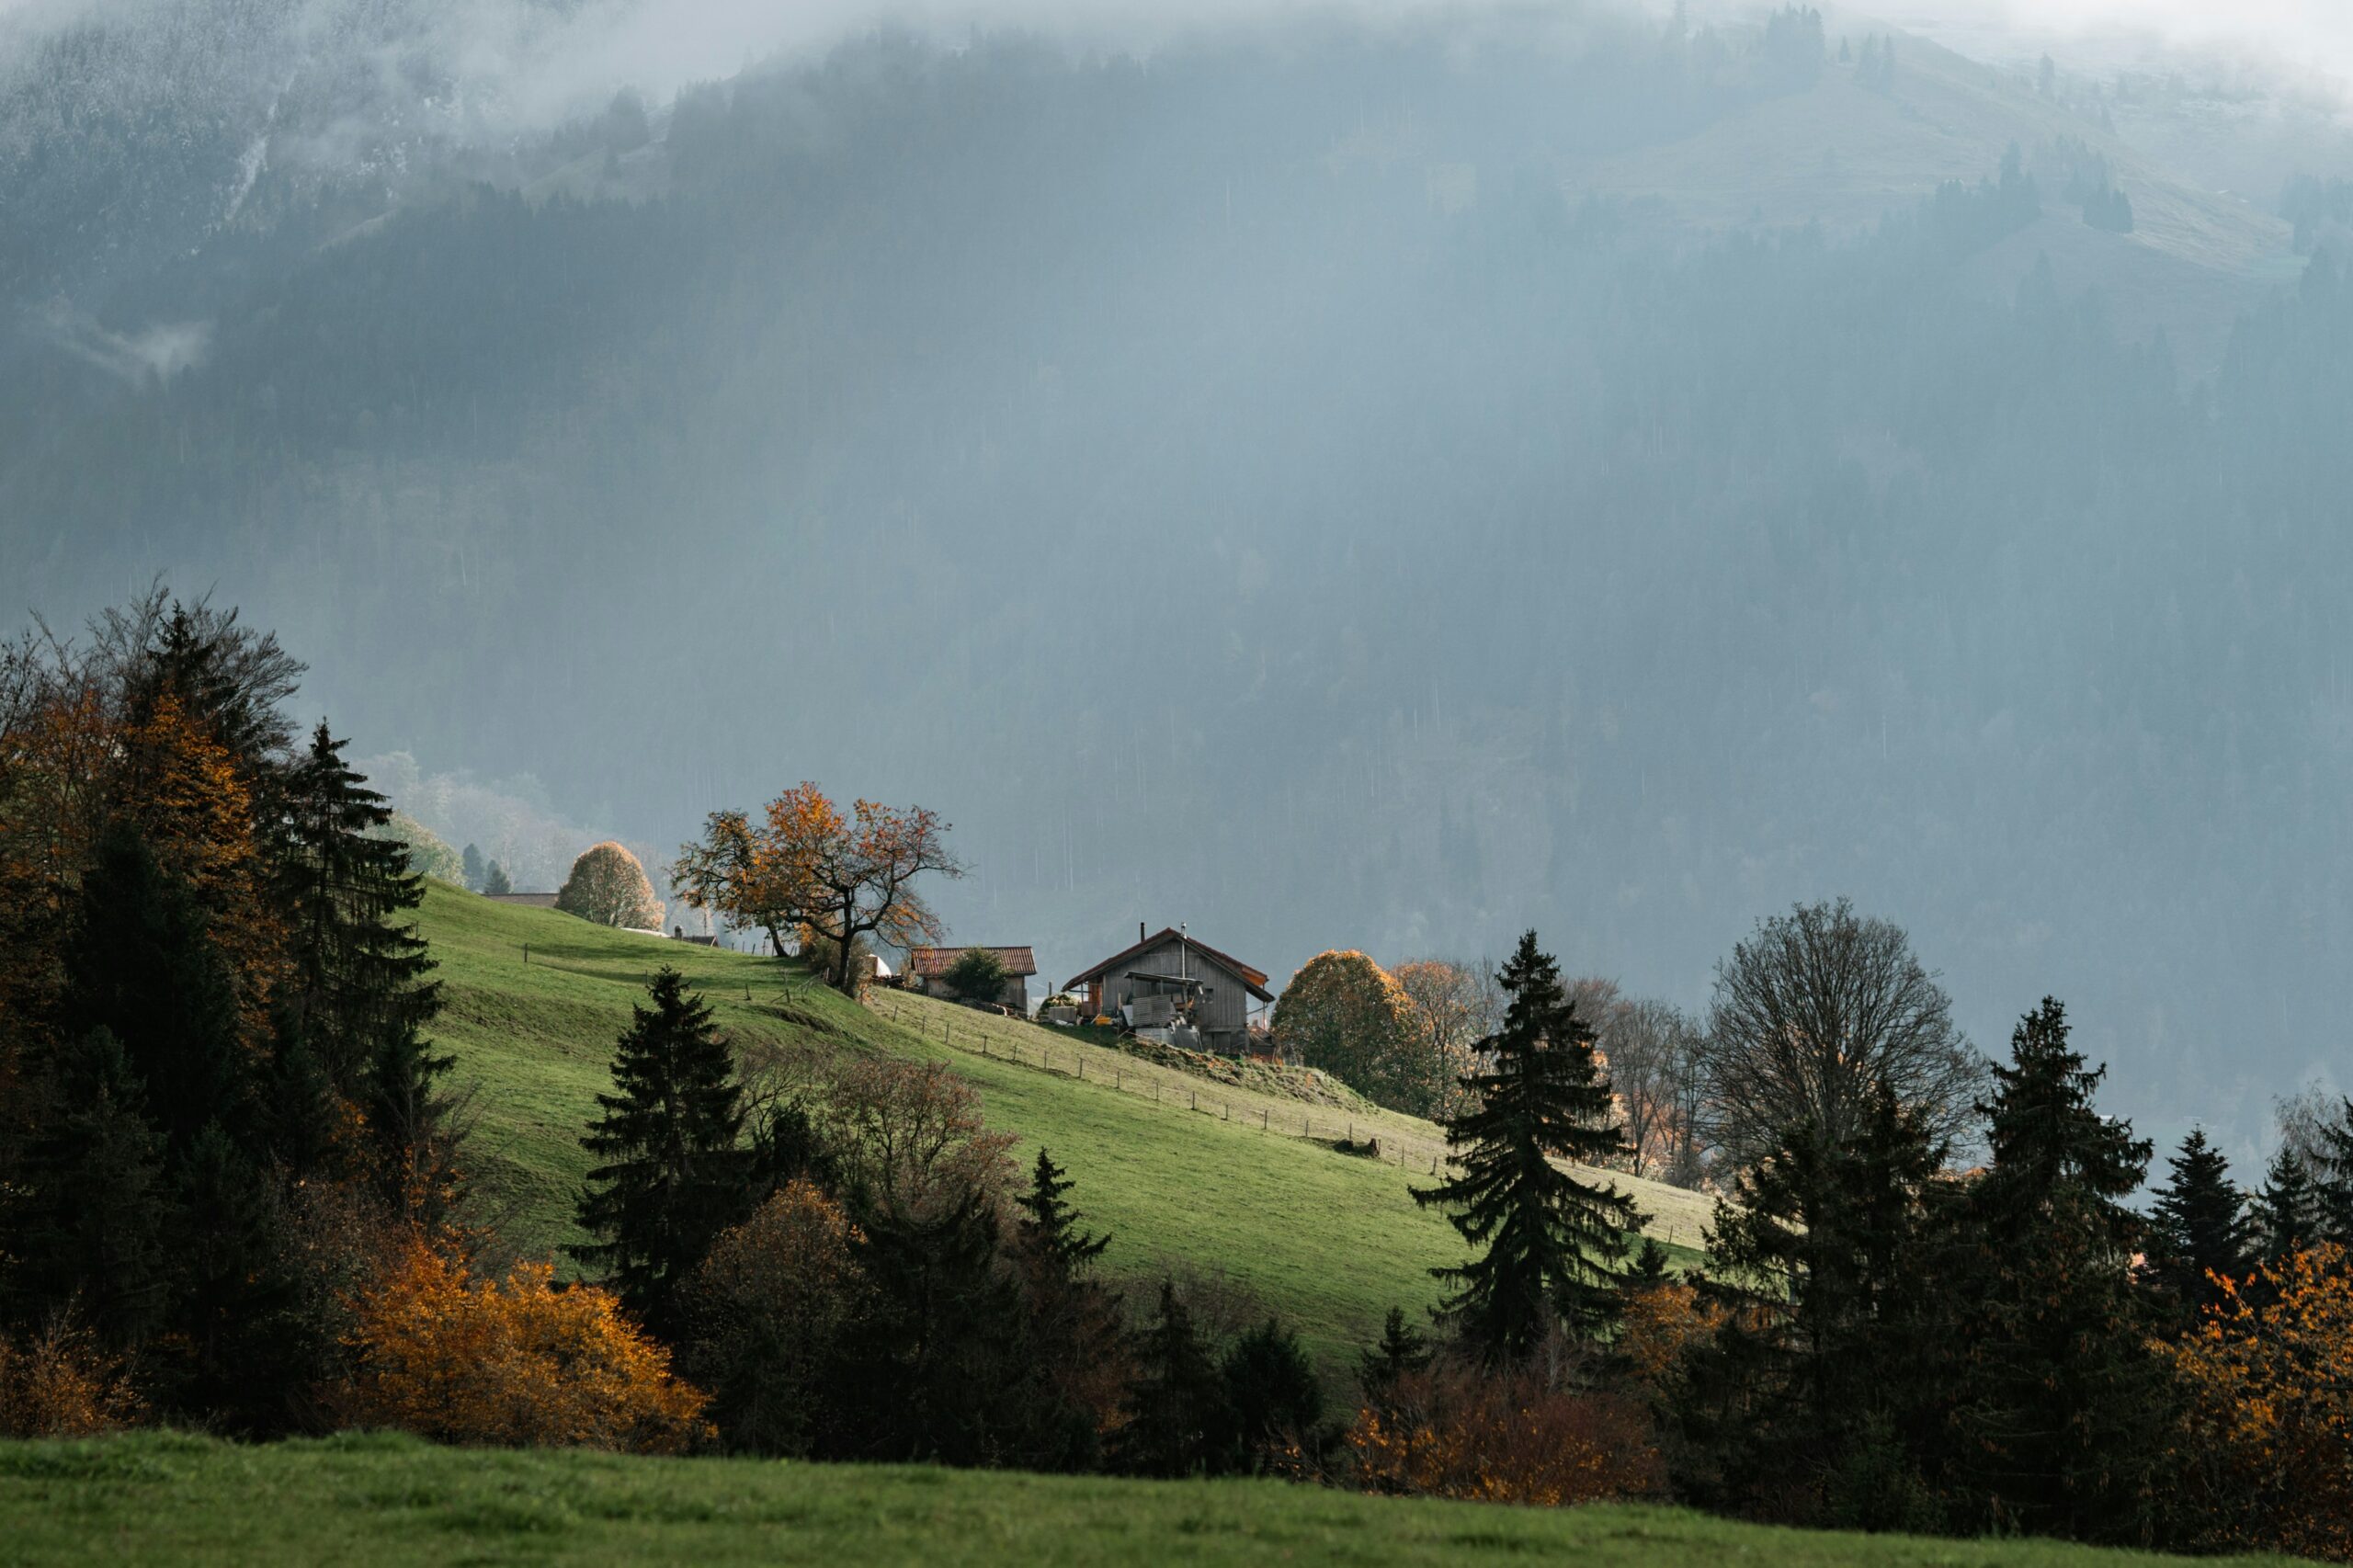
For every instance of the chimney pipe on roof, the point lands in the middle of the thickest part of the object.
(1139, 930)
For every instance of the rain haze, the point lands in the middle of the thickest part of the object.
(1377, 477)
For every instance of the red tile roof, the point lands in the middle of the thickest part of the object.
(1256, 979)
(931, 963)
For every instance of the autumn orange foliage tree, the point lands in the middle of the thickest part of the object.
(2269, 1373)
(806, 864)
(520, 1363)
(1509, 1436)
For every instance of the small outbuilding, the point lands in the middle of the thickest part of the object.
(1173, 983)
(928, 969)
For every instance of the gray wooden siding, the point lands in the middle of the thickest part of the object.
(1225, 1010)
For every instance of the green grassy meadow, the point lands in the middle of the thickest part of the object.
(168, 1498)
(1328, 1240)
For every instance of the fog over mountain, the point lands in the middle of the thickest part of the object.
(1377, 478)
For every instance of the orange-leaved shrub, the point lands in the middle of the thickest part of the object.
(60, 1382)
(515, 1364)
(1504, 1435)
(2269, 1375)
(1660, 1327)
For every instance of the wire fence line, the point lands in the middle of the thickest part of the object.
(1405, 1153)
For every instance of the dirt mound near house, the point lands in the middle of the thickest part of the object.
(1309, 1086)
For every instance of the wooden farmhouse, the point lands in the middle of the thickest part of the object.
(1172, 985)
(927, 972)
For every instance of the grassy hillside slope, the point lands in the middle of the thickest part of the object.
(164, 1497)
(1182, 1173)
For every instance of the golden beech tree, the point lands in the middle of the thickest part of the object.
(2269, 1371)
(609, 887)
(806, 864)
(516, 1365)
(1347, 1015)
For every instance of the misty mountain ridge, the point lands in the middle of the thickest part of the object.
(1333, 485)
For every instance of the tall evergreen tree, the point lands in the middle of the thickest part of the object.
(359, 999)
(234, 1357)
(2198, 1225)
(90, 1213)
(1049, 1226)
(140, 965)
(2064, 1409)
(1825, 1369)
(1072, 1324)
(670, 1175)
(355, 974)
(1176, 1406)
(2284, 1209)
(1554, 1243)
(944, 1361)
(2332, 1172)
(1273, 1398)
(470, 866)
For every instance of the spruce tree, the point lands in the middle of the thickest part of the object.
(2284, 1208)
(495, 882)
(1554, 1243)
(1073, 1323)
(2331, 1168)
(1827, 1366)
(670, 1176)
(91, 1210)
(470, 866)
(1273, 1399)
(231, 1343)
(359, 999)
(1401, 1351)
(141, 963)
(2199, 1226)
(2063, 1408)
(1049, 1226)
(1175, 1405)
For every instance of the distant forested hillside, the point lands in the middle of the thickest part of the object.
(1280, 485)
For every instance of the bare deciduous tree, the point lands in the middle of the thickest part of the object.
(1814, 1011)
(1653, 1049)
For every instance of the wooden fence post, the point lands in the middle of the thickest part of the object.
(526, 955)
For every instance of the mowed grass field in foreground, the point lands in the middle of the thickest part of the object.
(168, 1498)
(1330, 1241)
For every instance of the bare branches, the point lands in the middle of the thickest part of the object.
(1810, 1015)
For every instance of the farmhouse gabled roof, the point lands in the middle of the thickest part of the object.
(930, 963)
(1256, 979)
